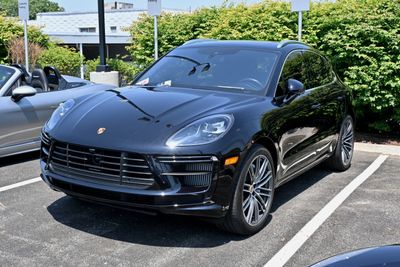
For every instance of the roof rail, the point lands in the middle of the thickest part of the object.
(194, 41)
(287, 42)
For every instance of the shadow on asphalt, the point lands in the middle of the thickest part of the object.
(161, 230)
(128, 226)
(11, 160)
(299, 184)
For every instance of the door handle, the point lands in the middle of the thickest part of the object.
(316, 106)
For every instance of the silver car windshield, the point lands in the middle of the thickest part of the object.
(5, 75)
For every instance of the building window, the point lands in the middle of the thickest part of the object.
(88, 29)
(113, 29)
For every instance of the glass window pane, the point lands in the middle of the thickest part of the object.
(319, 70)
(217, 68)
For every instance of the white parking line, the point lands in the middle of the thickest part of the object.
(294, 244)
(12, 186)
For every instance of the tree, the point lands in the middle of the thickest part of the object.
(10, 7)
(11, 29)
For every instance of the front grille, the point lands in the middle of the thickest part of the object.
(100, 165)
(192, 171)
(105, 166)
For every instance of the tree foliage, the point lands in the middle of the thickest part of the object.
(10, 7)
(361, 38)
(11, 29)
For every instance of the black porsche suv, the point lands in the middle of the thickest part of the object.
(211, 129)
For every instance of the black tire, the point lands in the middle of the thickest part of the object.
(337, 162)
(235, 220)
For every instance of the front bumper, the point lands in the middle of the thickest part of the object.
(171, 197)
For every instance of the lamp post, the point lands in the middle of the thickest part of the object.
(102, 39)
(103, 73)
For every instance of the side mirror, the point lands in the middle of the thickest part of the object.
(22, 91)
(295, 87)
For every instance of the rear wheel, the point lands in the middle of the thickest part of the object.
(254, 192)
(343, 154)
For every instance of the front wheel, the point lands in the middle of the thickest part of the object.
(254, 192)
(343, 154)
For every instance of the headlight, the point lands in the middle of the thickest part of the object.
(203, 131)
(62, 109)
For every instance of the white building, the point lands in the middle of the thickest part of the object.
(80, 29)
(118, 5)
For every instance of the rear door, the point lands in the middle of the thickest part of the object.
(326, 98)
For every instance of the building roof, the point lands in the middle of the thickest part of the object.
(73, 27)
(88, 38)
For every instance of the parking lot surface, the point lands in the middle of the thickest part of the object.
(40, 227)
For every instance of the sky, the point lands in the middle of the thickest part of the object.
(91, 5)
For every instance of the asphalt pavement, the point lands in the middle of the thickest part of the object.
(41, 227)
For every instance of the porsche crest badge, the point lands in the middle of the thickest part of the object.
(101, 131)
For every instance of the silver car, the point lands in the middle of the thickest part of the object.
(28, 100)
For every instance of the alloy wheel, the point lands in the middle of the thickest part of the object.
(347, 142)
(257, 190)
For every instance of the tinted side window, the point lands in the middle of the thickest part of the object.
(294, 68)
(319, 70)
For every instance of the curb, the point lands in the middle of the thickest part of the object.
(376, 148)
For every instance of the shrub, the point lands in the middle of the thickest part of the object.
(17, 52)
(361, 38)
(65, 59)
(11, 29)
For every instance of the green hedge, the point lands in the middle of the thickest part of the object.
(66, 60)
(361, 37)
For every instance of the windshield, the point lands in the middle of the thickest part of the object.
(215, 68)
(5, 74)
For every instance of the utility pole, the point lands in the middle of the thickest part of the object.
(154, 9)
(155, 38)
(23, 12)
(300, 6)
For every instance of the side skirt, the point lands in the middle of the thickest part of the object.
(301, 171)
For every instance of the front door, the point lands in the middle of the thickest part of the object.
(22, 121)
(294, 124)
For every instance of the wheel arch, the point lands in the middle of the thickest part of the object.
(270, 145)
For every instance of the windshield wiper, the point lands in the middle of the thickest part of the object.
(194, 69)
(148, 87)
(186, 58)
(198, 64)
(231, 87)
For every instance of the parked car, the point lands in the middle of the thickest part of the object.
(28, 100)
(388, 256)
(211, 129)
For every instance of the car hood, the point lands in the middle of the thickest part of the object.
(139, 117)
(374, 256)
